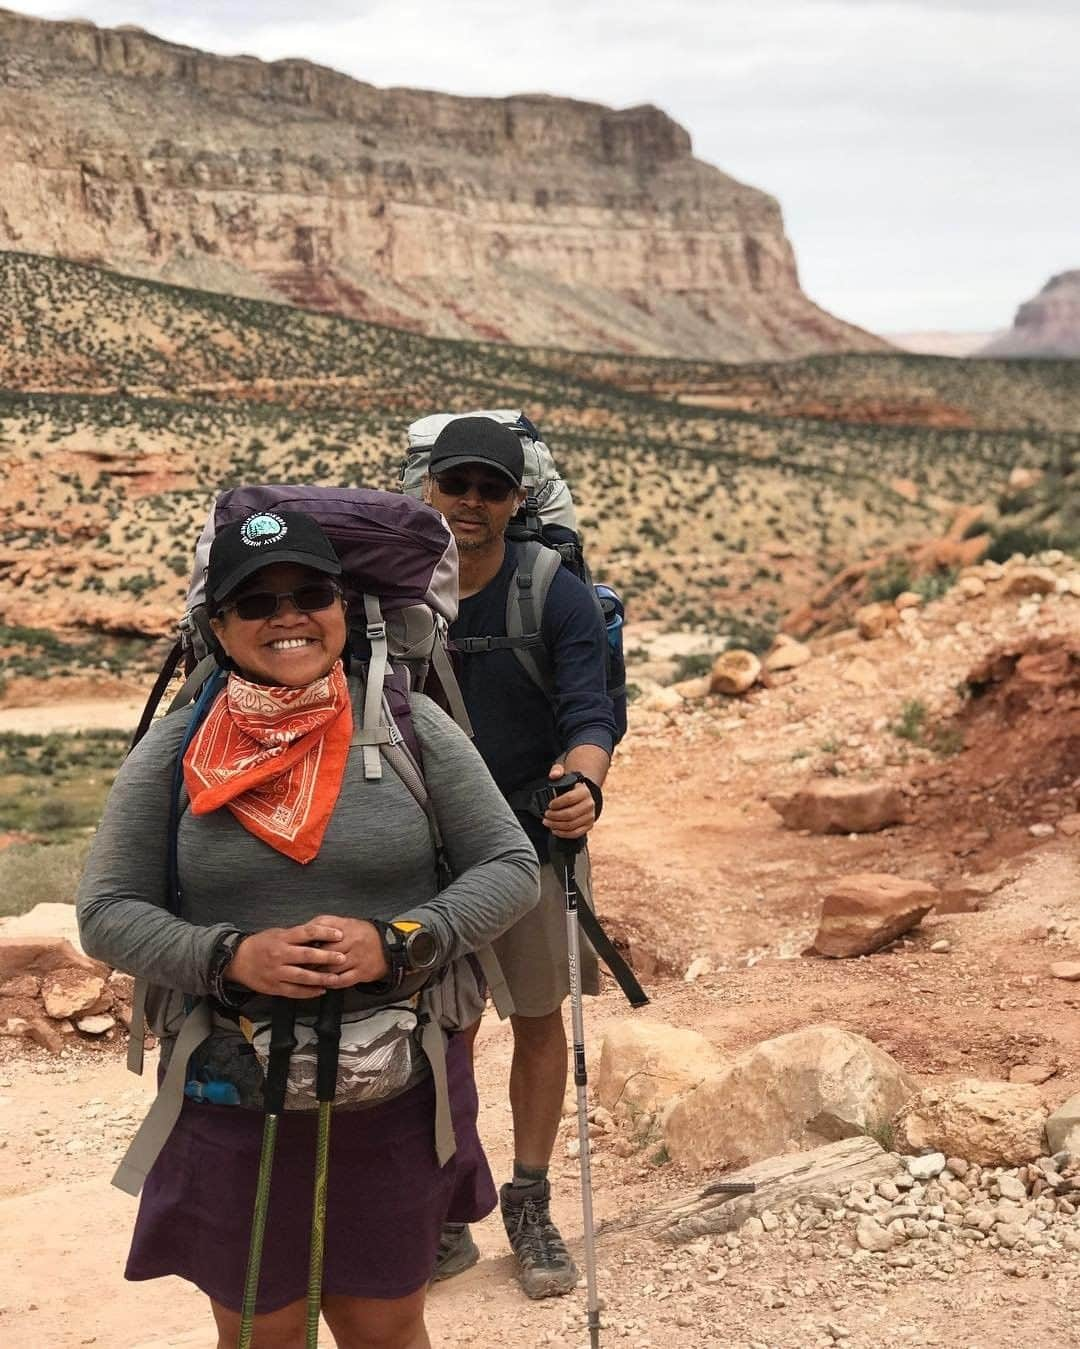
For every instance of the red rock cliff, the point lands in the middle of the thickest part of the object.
(526, 219)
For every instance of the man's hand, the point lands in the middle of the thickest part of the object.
(361, 948)
(573, 813)
(283, 962)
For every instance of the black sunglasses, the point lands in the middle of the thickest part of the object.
(308, 599)
(489, 489)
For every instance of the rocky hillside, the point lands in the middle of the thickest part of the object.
(129, 403)
(527, 219)
(1048, 325)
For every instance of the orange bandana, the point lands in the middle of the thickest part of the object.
(276, 757)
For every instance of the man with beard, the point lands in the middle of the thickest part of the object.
(474, 479)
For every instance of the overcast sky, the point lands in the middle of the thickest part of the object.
(926, 153)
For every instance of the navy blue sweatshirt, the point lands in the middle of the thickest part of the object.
(518, 732)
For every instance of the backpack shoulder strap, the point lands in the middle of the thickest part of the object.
(537, 566)
(403, 762)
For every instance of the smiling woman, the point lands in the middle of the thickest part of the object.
(302, 886)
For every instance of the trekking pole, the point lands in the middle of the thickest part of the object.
(282, 1044)
(328, 1035)
(566, 851)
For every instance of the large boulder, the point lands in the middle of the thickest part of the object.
(644, 1064)
(866, 911)
(43, 955)
(796, 1091)
(874, 620)
(989, 1123)
(830, 806)
(734, 672)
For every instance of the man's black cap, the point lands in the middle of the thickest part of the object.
(245, 547)
(478, 440)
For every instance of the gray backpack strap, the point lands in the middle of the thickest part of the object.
(195, 680)
(373, 695)
(440, 663)
(407, 769)
(137, 1029)
(536, 569)
(155, 1129)
(433, 1043)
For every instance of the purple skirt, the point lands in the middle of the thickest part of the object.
(387, 1197)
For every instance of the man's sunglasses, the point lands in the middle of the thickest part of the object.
(488, 489)
(308, 599)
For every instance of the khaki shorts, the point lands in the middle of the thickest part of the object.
(533, 953)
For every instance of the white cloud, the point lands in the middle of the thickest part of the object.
(923, 150)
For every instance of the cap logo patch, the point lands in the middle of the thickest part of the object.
(258, 530)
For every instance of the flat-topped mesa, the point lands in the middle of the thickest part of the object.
(529, 219)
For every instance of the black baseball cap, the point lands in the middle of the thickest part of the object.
(478, 440)
(246, 546)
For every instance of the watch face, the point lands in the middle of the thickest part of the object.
(421, 949)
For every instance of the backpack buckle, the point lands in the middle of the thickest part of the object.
(376, 632)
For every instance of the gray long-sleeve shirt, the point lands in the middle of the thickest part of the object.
(376, 861)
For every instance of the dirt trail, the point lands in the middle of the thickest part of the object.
(691, 861)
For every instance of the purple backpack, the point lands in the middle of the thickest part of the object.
(399, 572)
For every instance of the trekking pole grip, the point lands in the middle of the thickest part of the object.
(328, 1038)
(566, 849)
(282, 1044)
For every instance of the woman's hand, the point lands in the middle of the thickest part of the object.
(286, 962)
(363, 959)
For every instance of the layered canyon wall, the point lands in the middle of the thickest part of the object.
(527, 219)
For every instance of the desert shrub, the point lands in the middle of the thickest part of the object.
(1027, 540)
(693, 665)
(40, 873)
(885, 583)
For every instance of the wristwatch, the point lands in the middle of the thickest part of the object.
(224, 990)
(410, 948)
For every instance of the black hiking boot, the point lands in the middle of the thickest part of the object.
(457, 1252)
(545, 1268)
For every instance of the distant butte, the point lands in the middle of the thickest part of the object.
(1048, 325)
(529, 219)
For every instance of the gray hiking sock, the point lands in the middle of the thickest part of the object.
(525, 1177)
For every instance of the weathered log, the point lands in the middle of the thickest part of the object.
(814, 1177)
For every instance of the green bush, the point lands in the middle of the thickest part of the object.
(885, 583)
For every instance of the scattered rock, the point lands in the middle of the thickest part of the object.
(644, 1064)
(862, 674)
(907, 599)
(787, 654)
(799, 1090)
(1063, 1127)
(831, 807)
(1069, 825)
(1041, 830)
(69, 993)
(990, 1123)
(1033, 1073)
(1030, 581)
(662, 700)
(1066, 969)
(693, 690)
(971, 587)
(698, 966)
(21, 986)
(871, 1236)
(864, 912)
(874, 620)
(926, 1166)
(941, 946)
(734, 672)
(95, 1025)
